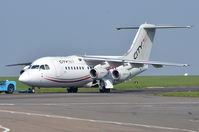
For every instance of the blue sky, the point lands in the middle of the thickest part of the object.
(30, 29)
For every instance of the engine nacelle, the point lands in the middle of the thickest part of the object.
(122, 72)
(99, 71)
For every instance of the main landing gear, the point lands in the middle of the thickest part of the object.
(103, 89)
(72, 90)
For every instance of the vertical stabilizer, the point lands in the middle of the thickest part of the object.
(143, 42)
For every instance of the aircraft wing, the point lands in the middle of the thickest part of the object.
(156, 64)
(20, 64)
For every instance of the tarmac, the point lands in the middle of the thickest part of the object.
(119, 111)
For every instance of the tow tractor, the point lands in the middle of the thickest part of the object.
(7, 86)
(10, 86)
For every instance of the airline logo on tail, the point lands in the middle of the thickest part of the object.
(137, 52)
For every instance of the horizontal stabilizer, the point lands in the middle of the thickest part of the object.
(154, 26)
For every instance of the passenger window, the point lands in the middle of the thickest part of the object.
(77, 67)
(71, 68)
(42, 67)
(74, 68)
(66, 68)
(82, 67)
(35, 67)
(47, 67)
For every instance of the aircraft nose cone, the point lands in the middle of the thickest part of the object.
(24, 78)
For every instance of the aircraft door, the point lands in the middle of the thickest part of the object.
(42, 72)
(59, 69)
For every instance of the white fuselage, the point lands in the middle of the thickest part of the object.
(69, 71)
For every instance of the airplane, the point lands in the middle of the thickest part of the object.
(73, 72)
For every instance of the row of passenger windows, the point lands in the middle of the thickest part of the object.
(46, 67)
(77, 68)
(43, 67)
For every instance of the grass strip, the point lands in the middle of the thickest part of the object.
(180, 94)
(137, 82)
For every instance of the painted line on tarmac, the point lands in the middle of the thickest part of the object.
(6, 104)
(119, 103)
(96, 121)
(4, 129)
(194, 121)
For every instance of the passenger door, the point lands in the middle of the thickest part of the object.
(42, 72)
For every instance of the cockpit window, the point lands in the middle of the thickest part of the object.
(28, 67)
(42, 67)
(47, 67)
(35, 67)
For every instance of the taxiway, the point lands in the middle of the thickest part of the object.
(126, 111)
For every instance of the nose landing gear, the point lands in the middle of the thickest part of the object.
(31, 90)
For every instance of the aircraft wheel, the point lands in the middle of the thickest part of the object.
(101, 90)
(75, 90)
(10, 89)
(72, 90)
(107, 90)
(104, 90)
(69, 90)
(31, 90)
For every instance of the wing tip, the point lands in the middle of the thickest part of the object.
(19, 64)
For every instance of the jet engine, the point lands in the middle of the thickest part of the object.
(99, 71)
(122, 72)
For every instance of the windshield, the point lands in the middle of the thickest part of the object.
(47, 67)
(43, 67)
(35, 67)
(2, 82)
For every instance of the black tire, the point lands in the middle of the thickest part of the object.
(107, 90)
(72, 90)
(104, 90)
(10, 89)
(101, 90)
(31, 90)
(69, 90)
(75, 90)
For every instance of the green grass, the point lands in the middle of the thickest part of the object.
(135, 83)
(159, 81)
(180, 94)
